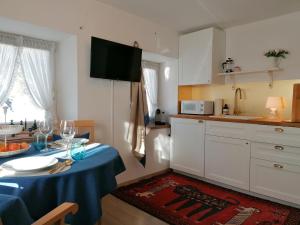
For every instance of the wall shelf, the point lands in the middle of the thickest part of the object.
(269, 71)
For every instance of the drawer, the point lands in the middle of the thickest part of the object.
(276, 135)
(227, 129)
(278, 180)
(273, 152)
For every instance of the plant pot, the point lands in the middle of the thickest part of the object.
(275, 62)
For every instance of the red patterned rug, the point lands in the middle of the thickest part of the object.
(180, 200)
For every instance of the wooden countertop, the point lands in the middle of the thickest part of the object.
(263, 121)
(155, 127)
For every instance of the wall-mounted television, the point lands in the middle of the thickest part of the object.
(111, 60)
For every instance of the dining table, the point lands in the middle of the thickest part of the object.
(85, 183)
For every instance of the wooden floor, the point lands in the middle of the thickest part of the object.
(118, 212)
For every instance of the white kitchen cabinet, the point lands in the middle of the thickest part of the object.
(187, 151)
(275, 179)
(227, 160)
(201, 54)
(275, 134)
(275, 152)
(227, 129)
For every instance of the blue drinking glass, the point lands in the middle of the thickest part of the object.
(78, 152)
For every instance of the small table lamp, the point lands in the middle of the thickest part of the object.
(274, 104)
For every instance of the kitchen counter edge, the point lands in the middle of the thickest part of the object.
(263, 121)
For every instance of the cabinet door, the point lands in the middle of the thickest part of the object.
(195, 57)
(275, 179)
(227, 160)
(187, 152)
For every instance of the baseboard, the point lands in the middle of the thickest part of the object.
(143, 177)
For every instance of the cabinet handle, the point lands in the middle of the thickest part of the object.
(279, 130)
(278, 166)
(200, 121)
(278, 147)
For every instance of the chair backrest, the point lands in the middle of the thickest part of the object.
(86, 126)
(57, 215)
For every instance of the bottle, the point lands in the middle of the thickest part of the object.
(225, 110)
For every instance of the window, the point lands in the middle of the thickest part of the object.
(27, 78)
(23, 105)
(150, 72)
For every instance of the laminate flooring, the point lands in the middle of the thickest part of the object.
(118, 212)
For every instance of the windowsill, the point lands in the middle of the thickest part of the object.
(154, 127)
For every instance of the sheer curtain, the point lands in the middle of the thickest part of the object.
(8, 54)
(36, 58)
(37, 64)
(150, 72)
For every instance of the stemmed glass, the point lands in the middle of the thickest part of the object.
(67, 132)
(46, 128)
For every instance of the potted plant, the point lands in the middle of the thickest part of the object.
(277, 55)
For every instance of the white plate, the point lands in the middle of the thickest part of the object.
(81, 140)
(62, 144)
(11, 153)
(74, 140)
(30, 163)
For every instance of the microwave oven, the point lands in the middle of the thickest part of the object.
(197, 107)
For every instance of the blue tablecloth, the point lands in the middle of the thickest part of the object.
(13, 210)
(85, 183)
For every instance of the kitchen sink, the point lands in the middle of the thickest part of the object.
(238, 117)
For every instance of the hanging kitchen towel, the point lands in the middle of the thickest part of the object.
(139, 118)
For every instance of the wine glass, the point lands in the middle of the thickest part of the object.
(46, 128)
(67, 132)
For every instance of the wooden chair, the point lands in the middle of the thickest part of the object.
(57, 215)
(86, 126)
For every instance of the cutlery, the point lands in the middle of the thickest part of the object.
(58, 165)
(61, 167)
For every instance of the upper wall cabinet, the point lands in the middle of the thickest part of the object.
(201, 54)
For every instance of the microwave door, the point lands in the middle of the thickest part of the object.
(191, 108)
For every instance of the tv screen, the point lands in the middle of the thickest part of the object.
(111, 60)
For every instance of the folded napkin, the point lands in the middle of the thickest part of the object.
(87, 151)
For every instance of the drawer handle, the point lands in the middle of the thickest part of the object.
(279, 130)
(278, 147)
(200, 121)
(278, 166)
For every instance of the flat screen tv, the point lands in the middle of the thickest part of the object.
(111, 60)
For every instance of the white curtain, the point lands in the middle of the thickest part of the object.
(150, 72)
(37, 62)
(8, 54)
(38, 70)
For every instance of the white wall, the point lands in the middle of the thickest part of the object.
(66, 78)
(86, 18)
(246, 44)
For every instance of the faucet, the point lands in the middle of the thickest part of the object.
(236, 110)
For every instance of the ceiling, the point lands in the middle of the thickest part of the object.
(189, 15)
